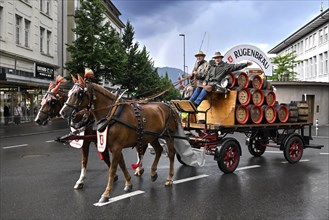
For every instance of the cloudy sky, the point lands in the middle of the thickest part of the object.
(224, 23)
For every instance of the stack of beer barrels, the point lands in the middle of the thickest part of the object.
(256, 102)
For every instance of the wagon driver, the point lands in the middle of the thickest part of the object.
(216, 72)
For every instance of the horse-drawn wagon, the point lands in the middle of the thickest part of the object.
(246, 104)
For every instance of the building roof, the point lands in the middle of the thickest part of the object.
(299, 83)
(114, 13)
(306, 29)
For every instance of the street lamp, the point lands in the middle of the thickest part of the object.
(183, 35)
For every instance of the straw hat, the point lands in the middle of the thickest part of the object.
(217, 54)
(200, 53)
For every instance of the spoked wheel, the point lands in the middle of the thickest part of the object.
(293, 150)
(257, 146)
(229, 157)
(180, 159)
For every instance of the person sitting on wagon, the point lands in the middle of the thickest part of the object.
(198, 74)
(216, 72)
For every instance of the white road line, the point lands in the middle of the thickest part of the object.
(325, 153)
(274, 152)
(247, 167)
(306, 160)
(50, 141)
(190, 179)
(14, 146)
(117, 198)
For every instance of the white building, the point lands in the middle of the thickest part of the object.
(311, 43)
(28, 50)
(33, 38)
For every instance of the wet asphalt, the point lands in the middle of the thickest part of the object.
(38, 175)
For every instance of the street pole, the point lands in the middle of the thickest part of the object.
(183, 35)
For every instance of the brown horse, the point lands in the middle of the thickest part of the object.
(155, 119)
(51, 104)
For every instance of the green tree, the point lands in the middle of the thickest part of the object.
(285, 66)
(138, 76)
(97, 45)
(166, 83)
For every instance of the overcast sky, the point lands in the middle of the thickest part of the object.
(227, 23)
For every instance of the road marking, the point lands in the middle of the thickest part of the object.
(247, 167)
(190, 179)
(274, 152)
(306, 160)
(50, 141)
(117, 198)
(14, 146)
(325, 153)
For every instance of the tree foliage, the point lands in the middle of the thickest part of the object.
(97, 45)
(114, 58)
(285, 66)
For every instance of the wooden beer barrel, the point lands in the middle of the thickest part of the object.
(243, 80)
(241, 114)
(244, 96)
(302, 107)
(257, 96)
(256, 113)
(270, 97)
(231, 80)
(293, 112)
(269, 113)
(256, 81)
(282, 113)
(267, 85)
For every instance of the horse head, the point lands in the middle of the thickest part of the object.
(51, 102)
(79, 98)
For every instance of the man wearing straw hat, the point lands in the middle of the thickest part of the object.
(198, 74)
(216, 72)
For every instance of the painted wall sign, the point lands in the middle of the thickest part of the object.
(44, 72)
(250, 53)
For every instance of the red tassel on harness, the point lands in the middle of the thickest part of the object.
(135, 165)
(101, 156)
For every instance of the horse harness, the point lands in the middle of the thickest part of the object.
(141, 121)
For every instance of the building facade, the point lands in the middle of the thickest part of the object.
(311, 44)
(315, 93)
(33, 38)
(29, 58)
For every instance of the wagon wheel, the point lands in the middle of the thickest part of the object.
(257, 146)
(229, 157)
(180, 160)
(293, 150)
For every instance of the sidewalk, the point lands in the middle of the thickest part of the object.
(29, 128)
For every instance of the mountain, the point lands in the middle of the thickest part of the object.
(173, 73)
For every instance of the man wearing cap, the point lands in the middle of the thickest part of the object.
(216, 72)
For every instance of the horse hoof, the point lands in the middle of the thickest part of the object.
(128, 188)
(155, 177)
(115, 178)
(139, 172)
(169, 183)
(103, 199)
(79, 185)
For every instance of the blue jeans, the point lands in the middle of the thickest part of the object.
(198, 95)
